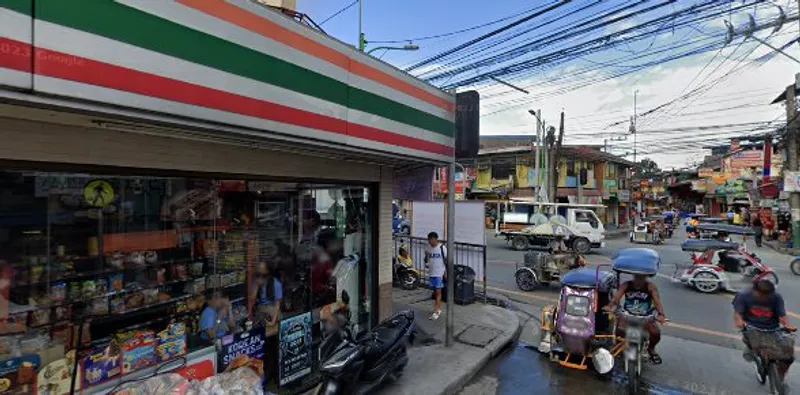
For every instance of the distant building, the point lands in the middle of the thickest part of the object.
(506, 168)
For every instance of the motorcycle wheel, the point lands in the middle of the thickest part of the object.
(329, 387)
(410, 281)
(776, 386)
(633, 377)
(795, 267)
(526, 281)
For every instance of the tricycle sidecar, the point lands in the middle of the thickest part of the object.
(578, 330)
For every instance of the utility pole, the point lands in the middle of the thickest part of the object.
(554, 161)
(633, 125)
(537, 160)
(546, 147)
(362, 42)
(791, 146)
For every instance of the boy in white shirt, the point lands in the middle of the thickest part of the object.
(435, 258)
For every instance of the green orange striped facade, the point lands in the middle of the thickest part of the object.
(222, 61)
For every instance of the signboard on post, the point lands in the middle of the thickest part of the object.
(468, 125)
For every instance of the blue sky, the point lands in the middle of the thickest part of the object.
(599, 111)
(402, 19)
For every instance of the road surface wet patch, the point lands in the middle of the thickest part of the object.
(523, 370)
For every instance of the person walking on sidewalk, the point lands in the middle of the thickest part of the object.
(758, 229)
(435, 258)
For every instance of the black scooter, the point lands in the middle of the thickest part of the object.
(359, 364)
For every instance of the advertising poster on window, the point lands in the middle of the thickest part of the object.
(294, 360)
(791, 181)
(242, 349)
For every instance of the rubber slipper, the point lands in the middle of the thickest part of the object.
(655, 359)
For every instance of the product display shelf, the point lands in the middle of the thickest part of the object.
(55, 278)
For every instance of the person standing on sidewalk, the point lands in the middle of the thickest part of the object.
(435, 258)
(758, 228)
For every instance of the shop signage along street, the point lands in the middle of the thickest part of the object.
(705, 172)
(294, 360)
(249, 345)
(791, 181)
(247, 67)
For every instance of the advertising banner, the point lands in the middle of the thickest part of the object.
(294, 360)
(240, 348)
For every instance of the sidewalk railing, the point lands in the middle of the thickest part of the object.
(470, 255)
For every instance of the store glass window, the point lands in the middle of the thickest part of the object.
(121, 276)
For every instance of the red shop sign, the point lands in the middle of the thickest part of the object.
(198, 371)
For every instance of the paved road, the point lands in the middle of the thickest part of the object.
(700, 347)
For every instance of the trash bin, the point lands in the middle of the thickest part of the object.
(464, 286)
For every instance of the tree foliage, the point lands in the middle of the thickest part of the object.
(646, 168)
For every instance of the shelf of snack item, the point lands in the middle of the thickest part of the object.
(200, 284)
(55, 276)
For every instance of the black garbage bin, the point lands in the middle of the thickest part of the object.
(464, 285)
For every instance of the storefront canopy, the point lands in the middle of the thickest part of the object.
(231, 70)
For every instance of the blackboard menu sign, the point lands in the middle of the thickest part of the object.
(240, 348)
(295, 348)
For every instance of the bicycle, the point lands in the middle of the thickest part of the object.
(766, 355)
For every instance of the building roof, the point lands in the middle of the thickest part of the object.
(589, 152)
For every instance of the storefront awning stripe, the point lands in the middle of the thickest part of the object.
(262, 26)
(125, 24)
(58, 38)
(51, 63)
(189, 17)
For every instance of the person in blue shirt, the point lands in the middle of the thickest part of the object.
(216, 320)
(269, 295)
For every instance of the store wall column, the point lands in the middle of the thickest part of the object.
(385, 245)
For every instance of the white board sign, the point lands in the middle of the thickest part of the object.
(427, 217)
(470, 223)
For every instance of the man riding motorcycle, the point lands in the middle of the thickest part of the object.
(641, 298)
(762, 307)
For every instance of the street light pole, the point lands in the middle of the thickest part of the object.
(407, 47)
(361, 42)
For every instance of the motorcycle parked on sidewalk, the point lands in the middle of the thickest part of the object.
(795, 266)
(360, 363)
(404, 274)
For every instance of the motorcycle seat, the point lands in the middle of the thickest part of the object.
(383, 338)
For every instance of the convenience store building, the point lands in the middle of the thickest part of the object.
(157, 154)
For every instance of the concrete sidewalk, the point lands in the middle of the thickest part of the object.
(778, 246)
(481, 332)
